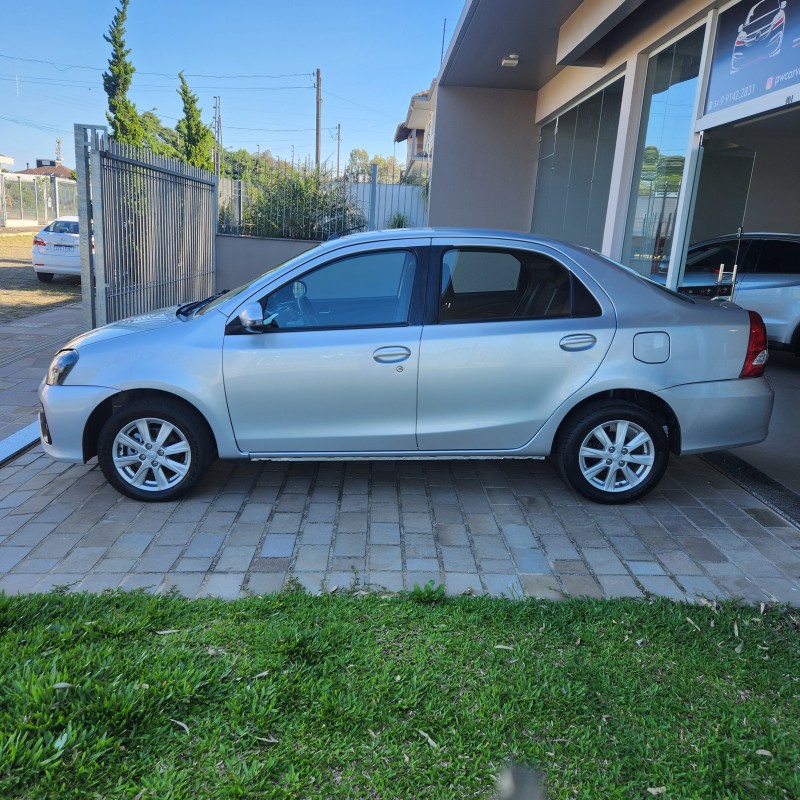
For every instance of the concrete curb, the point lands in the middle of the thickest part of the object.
(18, 442)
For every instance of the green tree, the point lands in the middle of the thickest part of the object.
(196, 139)
(359, 167)
(126, 125)
(388, 169)
(163, 141)
(358, 164)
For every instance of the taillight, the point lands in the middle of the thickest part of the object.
(37, 242)
(757, 351)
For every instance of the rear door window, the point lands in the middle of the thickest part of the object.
(779, 257)
(482, 285)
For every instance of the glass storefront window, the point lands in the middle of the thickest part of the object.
(667, 118)
(576, 154)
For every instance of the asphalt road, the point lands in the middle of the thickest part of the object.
(21, 293)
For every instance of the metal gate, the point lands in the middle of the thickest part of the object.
(147, 228)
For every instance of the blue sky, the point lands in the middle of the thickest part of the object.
(373, 57)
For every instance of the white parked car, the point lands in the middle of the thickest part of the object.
(416, 344)
(56, 249)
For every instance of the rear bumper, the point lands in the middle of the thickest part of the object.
(717, 415)
(59, 265)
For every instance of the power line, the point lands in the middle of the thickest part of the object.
(360, 105)
(29, 123)
(63, 67)
(157, 86)
(269, 130)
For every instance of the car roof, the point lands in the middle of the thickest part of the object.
(732, 237)
(487, 234)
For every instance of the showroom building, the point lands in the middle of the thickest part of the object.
(634, 127)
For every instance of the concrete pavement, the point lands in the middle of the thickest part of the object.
(497, 527)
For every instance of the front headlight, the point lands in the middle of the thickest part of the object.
(61, 366)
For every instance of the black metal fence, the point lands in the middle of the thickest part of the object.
(150, 229)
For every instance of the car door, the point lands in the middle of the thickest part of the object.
(335, 368)
(771, 286)
(514, 333)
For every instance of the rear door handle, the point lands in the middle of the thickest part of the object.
(391, 355)
(578, 341)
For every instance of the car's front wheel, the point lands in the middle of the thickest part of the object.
(613, 452)
(45, 277)
(154, 450)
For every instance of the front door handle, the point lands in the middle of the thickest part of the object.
(391, 355)
(577, 342)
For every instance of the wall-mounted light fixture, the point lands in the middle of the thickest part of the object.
(511, 60)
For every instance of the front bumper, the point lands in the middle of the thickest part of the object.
(717, 415)
(66, 410)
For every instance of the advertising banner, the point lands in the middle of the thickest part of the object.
(756, 54)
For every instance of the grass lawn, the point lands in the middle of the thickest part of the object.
(21, 293)
(345, 696)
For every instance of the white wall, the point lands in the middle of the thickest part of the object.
(390, 198)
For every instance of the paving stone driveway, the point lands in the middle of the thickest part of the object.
(498, 527)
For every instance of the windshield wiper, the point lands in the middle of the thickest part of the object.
(191, 308)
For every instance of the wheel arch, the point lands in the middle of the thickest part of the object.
(109, 406)
(794, 342)
(647, 400)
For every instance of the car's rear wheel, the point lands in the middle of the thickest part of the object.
(613, 452)
(44, 277)
(154, 450)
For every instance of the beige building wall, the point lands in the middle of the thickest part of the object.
(239, 259)
(486, 148)
(486, 140)
(577, 82)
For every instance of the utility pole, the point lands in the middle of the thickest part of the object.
(319, 116)
(338, 146)
(217, 133)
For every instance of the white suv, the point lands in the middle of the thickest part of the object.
(767, 279)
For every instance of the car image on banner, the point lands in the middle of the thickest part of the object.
(760, 35)
(756, 57)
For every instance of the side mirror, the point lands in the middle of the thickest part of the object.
(252, 318)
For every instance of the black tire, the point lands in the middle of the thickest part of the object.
(610, 477)
(45, 277)
(143, 470)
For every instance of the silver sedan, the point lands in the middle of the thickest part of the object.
(416, 344)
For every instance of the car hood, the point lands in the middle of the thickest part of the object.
(162, 318)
